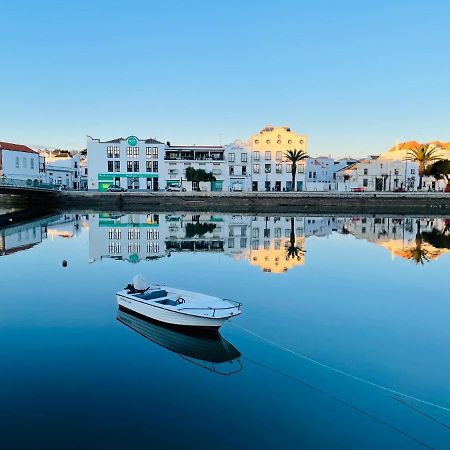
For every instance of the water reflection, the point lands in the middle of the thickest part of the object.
(275, 244)
(210, 351)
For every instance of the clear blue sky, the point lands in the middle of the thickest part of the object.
(353, 75)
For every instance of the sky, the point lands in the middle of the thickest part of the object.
(354, 76)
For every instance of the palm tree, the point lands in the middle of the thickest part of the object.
(294, 157)
(424, 155)
(418, 254)
(293, 251)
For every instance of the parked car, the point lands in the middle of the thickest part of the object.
(357, 189)
(399, 189)
(447, 188)
(115, 188)
(175, 188)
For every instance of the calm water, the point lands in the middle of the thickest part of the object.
(367, 298)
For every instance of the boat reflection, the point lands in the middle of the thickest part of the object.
(210, 351)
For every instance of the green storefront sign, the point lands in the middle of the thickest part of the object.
(132, 141)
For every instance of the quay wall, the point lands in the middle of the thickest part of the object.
(430, 203)
(260, 202)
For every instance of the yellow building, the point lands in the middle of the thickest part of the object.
(270, 169)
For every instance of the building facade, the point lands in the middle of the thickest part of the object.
(20, 162)
(271, 171)
(132, 163)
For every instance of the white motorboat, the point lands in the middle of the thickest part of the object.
(176, 306)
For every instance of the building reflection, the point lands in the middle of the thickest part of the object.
(274, 244)
(24, 236)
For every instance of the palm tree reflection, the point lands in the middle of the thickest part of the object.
(293, 251)
(418, 254)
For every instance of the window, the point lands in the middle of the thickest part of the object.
(152, 247)
(134, 233)
(115, 233)
(155, 152)
(266, 245)
(413, 171)
(155, 166)
(365, 182)
(309, 174)
(24, 162)
(116, 166)
(244, 170)
(256, 141)
(268, 156)
(231, 157)
(255, 232)
(314, 175)
(231, 170)
(366, 171)
(268, 141)
(17, 162)
(289, 141)
(152, 234)
(132, 152)
(255, 244)
(148, 166)
(129, 166)
(148, 152)
(114, 248)
(279, 156)
(109, 152)
(32, 163)
(135, 166)
(300, 168)
(134, 247)
(268, 168)
(110, 166)
(396, 172)
(278, 168)
(231, 243)
(255, 168)
(243, 157)
(288, 168)
(243, 242)
(116, 152)
(267, 232)
(277, 232)
(256, 156)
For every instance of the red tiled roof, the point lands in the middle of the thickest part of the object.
(16, 147)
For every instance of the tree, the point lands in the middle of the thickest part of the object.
(440, 170)
(198, 175)
(294, 157)
(199, 229)
(293, 251)
(423, 155)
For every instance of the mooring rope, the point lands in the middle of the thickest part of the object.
(342, 372)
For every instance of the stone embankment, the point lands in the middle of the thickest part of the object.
(435, 203)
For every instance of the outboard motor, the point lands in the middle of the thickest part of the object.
(140, 284)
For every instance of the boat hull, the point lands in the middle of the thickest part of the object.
(167, 316)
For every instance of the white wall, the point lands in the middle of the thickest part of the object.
(28, 165)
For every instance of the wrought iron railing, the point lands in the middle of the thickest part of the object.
(27, 184)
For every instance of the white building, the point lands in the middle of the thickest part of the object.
(379, 174)
(62, 169)
(177, 158)
(83, 172)
(21, 163)
(131, 163)
(238, 159)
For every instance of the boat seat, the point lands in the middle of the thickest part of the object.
(151, 295)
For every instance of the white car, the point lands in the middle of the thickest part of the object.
(175, 188)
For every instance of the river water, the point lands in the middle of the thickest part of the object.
(343, 341)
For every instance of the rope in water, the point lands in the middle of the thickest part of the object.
(334, 369)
